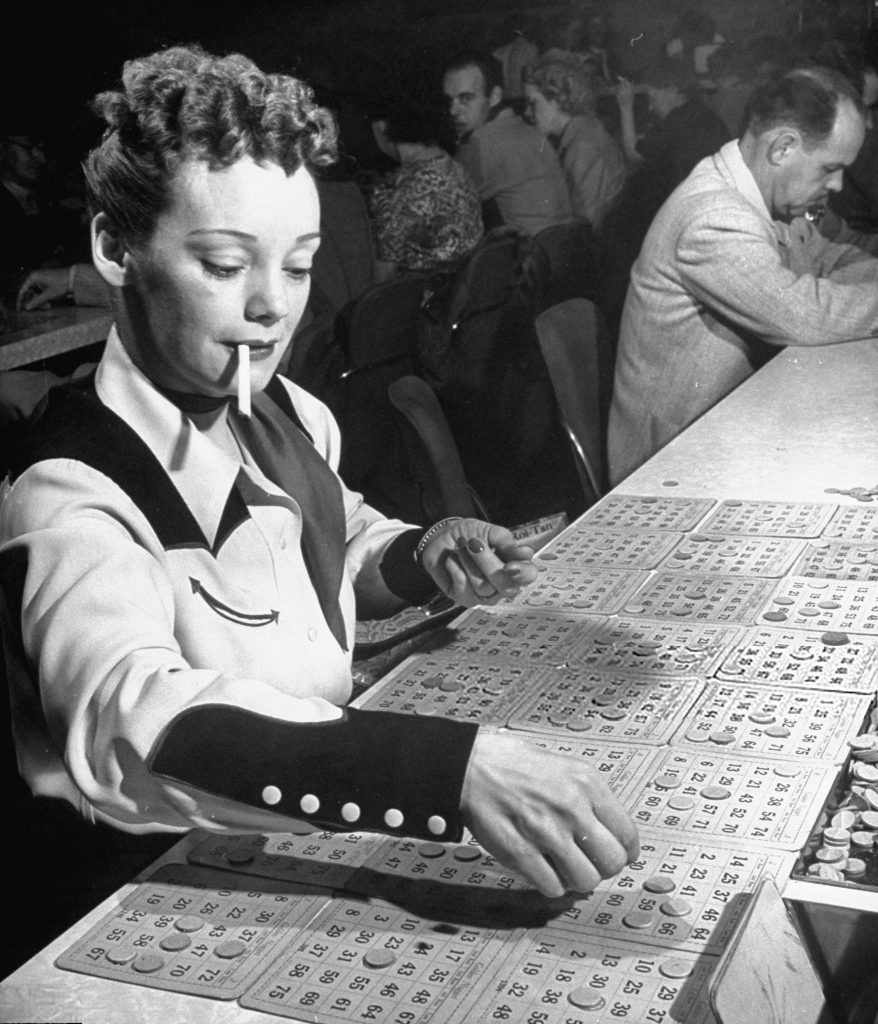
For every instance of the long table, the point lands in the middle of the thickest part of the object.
(27, 338)
(802, 429)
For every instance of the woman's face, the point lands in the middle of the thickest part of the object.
(228, 264)
(544, 114)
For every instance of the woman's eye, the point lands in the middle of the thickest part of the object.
(221, 270)
(300, 274)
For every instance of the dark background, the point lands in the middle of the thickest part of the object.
(53, 59)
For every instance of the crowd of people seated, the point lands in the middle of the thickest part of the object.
(545, 127)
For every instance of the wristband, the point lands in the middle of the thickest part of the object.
(428, 536)
(71, 280)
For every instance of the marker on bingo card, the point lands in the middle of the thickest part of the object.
(244, 380)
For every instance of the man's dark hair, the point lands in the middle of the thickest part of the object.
(490, 67)
(183, 103)
(804, 98)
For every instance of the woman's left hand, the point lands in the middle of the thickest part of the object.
(474, 562)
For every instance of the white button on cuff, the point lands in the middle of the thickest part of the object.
(436, 825)
(271, 795)
(312, 633)
(350, 813)
(309, 803)
(393, 818)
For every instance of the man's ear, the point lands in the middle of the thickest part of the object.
(495, 97)
(109, 251)
(785, 142)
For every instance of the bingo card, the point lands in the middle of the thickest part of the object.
(374, 961)
(812, 659)
(585, 545)
(769, 518)
(735, 599)
(723, 554)
(635, 512)
(854, 524)
(773, 722)
(837, 605)
(599, 591)
(607, 705)
(454, 687)
(195, 931)
(306, 857)
(538, 635)
(839, 560)
(714, 795)
(653, 648)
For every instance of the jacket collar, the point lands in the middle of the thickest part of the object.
(203, 474)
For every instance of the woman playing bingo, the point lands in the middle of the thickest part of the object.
(181, 565)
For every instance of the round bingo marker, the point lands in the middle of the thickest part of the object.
(862, 842)
(844, 819)
(786, 771)
(614, 714)
(865, 742)
(675, 908)
(239, 855)
(120, 957)
(681, 803)
(829, 874)
(870, 797)
(733, 667)
(777, 731)
(230, 949)
(723, 736)
(426, 710)
(834, 855)
(466, 853)
(716, 793)
(188, 923)
(783, 600)
(450, 685)
(855, 867)
(659, 885)
(761, 717)
(579, 725)
(869, 820)
(864, 772)
(835, 835)
(148, 963)
(635, 609)
(699, 538)
(680, 610)
(697, 736)
(432, 682)
(675, 968)
(802, 653)
(174, 942)
(775, 616)
(548, 556)
(809, 613)
(379, 958)
(667, 781)
(829, 605)
(431, 850)
(835, 639)
(558, 718)
(639, 919)
(585, 999)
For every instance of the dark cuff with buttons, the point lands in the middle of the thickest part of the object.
(373, 771)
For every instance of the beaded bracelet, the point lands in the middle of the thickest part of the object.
(434, 529)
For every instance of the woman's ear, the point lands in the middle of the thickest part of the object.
(109, 251)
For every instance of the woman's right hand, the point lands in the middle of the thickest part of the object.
(549, 817)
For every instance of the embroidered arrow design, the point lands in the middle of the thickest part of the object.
(241, 618)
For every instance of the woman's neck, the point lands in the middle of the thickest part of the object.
(412, 152)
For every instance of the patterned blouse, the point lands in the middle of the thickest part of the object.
(426, 214)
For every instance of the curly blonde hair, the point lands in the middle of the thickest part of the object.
(566, 82)
(183, 103)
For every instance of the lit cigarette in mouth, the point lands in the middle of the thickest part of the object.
(244, 380)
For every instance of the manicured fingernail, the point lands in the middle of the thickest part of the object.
(475, 545)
